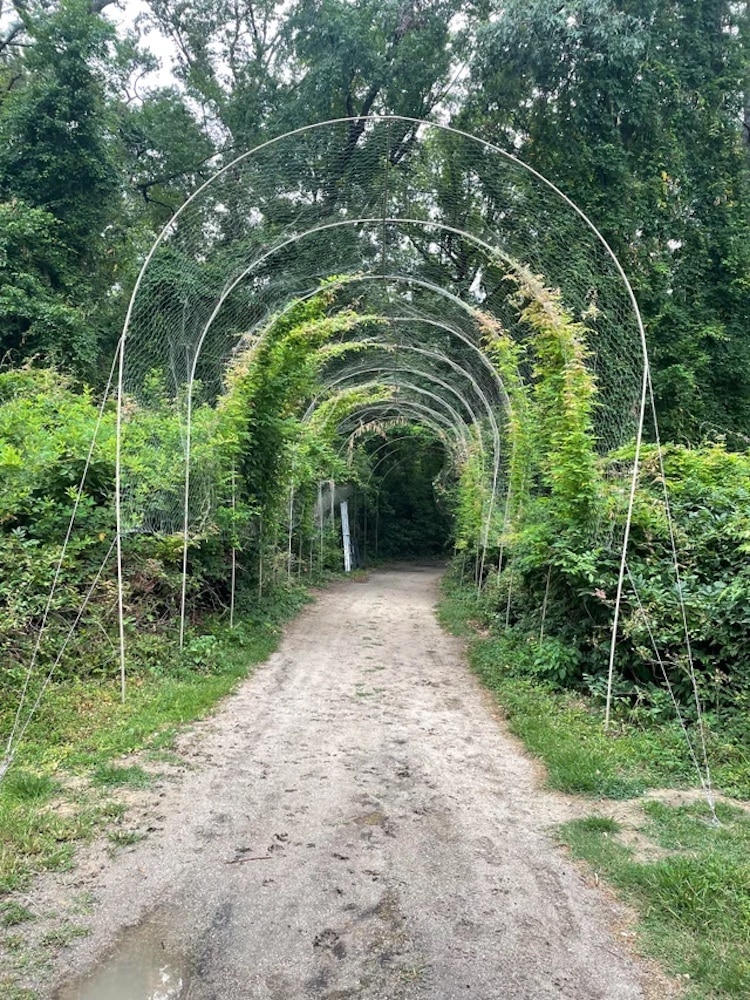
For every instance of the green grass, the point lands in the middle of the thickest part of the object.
(570, 738)
(12, 913)
(693, 895)
(111, 776)
(22, 786)
(695, 901)
(564, 731)
(124, 838)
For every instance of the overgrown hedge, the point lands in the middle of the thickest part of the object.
(562, 591)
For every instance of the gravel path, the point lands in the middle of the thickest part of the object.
(355, 824)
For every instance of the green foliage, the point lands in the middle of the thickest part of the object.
(472, 494)
(563, 399)
(13, 913)
(269, 385)
(37, 317)
(46, 432)
(403, 510)
(248, 451)
(60, 185)
(560, 560)
(53, 138)
(652, 97)
(708, 492)
(111, 775)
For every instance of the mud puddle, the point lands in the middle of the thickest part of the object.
(146, 964)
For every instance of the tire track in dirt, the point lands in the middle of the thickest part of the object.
(355, 824)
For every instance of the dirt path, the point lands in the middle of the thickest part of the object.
(356, 825)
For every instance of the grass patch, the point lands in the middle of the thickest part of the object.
(11, 991)
(13, 913)
(695, 902)
(112, 776)
(580, 757)
(64, 935)
(568, 735)
(124, 838)
(22, 786)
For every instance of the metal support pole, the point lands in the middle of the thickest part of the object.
(289, 537)
(234, 548)
(346, 536)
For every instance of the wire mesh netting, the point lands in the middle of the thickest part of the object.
(434, 239)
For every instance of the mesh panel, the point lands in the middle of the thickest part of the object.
(423, 226)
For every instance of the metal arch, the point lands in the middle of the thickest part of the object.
(348, 440)
(497, 449)
(443, 359)
(419, 122)
(459, 424)
(475, 423)
(483, 358)
(480, 394)
(374, 369)
(471, 312)
(276, 248)
(503, 154)
(493, 423)
(431, 418)
(493, 251)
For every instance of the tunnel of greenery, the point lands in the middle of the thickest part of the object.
(404, 508)
(397, 315)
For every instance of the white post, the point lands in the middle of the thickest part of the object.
(322, 519)
(289, 536)
(346, 537)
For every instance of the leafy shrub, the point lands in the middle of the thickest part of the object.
(574, 580)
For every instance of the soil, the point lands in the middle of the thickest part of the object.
(353, 823)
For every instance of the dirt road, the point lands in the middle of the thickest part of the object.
(356, 825)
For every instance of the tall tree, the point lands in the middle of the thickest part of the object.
(57, 160)
(636, 110)
(259, 67)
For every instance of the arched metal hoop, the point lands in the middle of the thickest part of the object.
(386, 219)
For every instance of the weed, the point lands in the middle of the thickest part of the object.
(124, 838)
(12, 913)
(11, 991)
(14, 942)
(110, 775)
(598, 824)
(413, 974)
(83, 903)
(63, 935)
(113, 810)
(24, 786)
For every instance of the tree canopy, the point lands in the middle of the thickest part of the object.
(637, 110)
